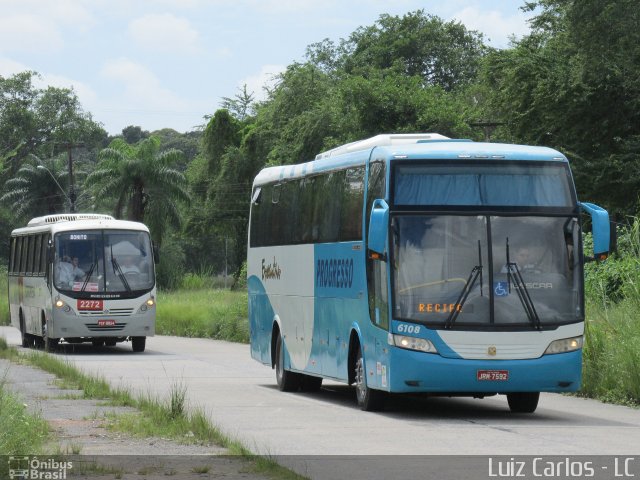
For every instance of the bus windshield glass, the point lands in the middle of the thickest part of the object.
(103, 261)
(484, 270)
(505, 184)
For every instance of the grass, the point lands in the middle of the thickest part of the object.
(203, 313)
(611, 371)
(21, 432)
(168, 418)
(4, 300)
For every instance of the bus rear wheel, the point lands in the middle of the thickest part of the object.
(368, 399)
(287, 381)
(523, 402)
(138, 344)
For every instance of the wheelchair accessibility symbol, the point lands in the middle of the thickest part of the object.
(500, 289)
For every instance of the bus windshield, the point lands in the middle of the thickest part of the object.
(103, 261)
(484, 270)
(498, 184)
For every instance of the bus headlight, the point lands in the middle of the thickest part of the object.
(564, 345)
(65, 308)
(148, 304)
(413, 343)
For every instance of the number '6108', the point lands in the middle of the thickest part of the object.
(404, 328)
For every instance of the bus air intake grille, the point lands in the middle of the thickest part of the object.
(94, 327)
(113, 312)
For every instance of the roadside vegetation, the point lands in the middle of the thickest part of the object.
(20, 431)
(201, 307)
(4, 300)
(165, 418)
(611, 369)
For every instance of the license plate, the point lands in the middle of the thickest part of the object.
(90, 305)
(493, 375)
(106, 323)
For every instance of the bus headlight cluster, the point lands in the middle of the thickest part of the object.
(564, 345)
(65, 308)
(413, 343)
(148, 304)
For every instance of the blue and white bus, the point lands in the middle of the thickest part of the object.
(417, 263)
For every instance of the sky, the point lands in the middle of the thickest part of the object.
(168, 63)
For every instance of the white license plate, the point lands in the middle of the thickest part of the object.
(493, 375)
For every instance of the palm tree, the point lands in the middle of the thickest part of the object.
(142, 182)
(38, 187)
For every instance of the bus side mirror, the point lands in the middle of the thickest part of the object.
(378, 225)
(601, 230)
(156, 252)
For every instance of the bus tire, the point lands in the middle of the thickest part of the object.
(97, 342)
(138, 344)
(25, 337)
(523, 402)
(368, 399)
(309, 383)
(287, 381)
(49, 343)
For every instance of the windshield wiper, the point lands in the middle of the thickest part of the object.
(514, 275)
(86, 280)
(468, 286)
(118, 271)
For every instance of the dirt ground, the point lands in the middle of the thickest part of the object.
(80, 433)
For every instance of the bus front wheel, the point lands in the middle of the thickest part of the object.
(25, 337)
(523, 402)
(50, 344)
(138, 344)
(368, 399)
(287, 381)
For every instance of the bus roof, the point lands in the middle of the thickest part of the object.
(382, 147)
(77, 221)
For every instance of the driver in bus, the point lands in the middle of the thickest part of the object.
(128, 265)
(76, 272)
(523, 260)
(64, 271)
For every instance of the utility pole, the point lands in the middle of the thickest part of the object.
(72, 190)
(226, 239)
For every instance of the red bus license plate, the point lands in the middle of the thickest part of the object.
(106, 323)
(493, 375)
(90, 305)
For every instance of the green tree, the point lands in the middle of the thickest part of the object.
(573, 84)
(441, 53)
(142, 182)
(228, 203)
(133, 134)
(222, 131)
(41, 121)
(240, 106)
(37, 188)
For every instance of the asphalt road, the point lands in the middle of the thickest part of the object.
(241, 398)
